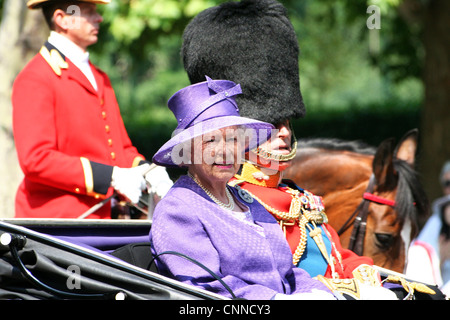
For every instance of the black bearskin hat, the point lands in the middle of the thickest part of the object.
(252, 43)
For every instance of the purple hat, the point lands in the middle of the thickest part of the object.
(205, 107)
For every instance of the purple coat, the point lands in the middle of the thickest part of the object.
(254, 260)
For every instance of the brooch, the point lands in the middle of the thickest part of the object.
(244, 194)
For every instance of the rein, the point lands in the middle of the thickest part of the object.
(360, 217)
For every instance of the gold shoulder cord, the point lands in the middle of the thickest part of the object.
(303, 210)
(344, 286)
(306, 219)
(409, 286)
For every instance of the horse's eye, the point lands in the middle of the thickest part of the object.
(384, 240)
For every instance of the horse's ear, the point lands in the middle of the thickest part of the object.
(382, 165)
(407, 147)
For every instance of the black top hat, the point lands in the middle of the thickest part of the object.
(253, 43)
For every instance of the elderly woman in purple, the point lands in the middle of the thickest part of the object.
(240, 244)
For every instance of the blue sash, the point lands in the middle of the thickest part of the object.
(312, 260)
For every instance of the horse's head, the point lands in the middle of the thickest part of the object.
(397, 201)
(340, 172)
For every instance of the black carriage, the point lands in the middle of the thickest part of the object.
(76, 259)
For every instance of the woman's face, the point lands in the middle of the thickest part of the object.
(217, 156)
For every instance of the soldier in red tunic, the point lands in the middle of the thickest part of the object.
(70, 138)
(253, 43)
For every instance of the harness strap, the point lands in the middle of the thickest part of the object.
(358, 209)
(371, 197)
(356, 243)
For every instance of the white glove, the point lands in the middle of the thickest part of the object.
(368, 292)
(159, 181)
(370, 285)
(129, 182)
(315, 294)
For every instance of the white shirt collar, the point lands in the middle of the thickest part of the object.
(68, 48)
(78, 57)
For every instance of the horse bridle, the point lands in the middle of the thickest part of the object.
(360, 214)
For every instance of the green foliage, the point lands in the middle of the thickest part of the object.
(343, 63)
(372, 124)
(132, 29)
(130, 20)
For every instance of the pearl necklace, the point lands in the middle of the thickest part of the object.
(229, 206)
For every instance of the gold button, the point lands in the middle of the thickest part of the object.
(110, 142)
(113, 155)
(77, 190)
(102, 102)
(104, 114)
(107, 128)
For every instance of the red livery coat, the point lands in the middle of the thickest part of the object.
(68, 138)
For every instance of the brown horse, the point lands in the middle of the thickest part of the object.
(372, 197)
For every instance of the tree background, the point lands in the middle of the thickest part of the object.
(357, 83)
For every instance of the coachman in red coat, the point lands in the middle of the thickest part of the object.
(68, 129)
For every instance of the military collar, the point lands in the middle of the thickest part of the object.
(253, 174)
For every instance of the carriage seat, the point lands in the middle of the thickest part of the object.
(138, 254)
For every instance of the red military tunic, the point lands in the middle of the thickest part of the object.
(276, 197)
(68, 138)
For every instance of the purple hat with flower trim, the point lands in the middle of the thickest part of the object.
(205, 107)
